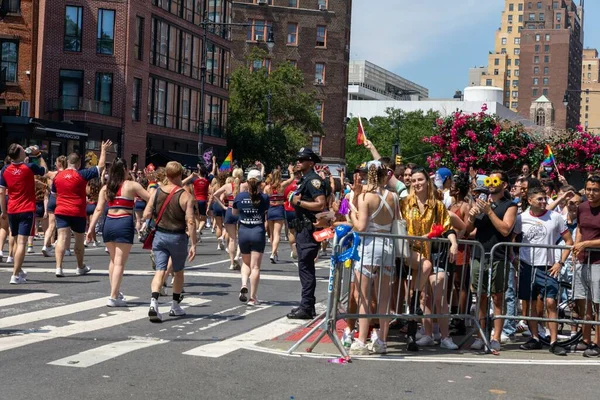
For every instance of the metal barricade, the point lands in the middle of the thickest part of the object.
(562, 302)
(384, 287)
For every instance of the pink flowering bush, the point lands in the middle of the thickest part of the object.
(483, 142)
(576, 151)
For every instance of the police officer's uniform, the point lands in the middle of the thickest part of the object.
(309, 188)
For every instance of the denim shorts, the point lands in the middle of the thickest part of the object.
(170, 245)
(536, 281)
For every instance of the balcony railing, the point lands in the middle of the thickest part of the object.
(76, 103)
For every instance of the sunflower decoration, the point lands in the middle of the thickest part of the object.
(492, 182)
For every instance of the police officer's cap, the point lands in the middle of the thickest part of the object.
(307, 154)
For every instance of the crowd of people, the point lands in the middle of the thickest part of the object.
(170, 208)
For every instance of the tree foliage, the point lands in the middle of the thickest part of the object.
(409, 127)
(292, 113)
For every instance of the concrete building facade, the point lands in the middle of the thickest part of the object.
(590, 91)
(367, 81)
(315, 36)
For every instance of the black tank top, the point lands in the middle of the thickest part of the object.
(173, 219)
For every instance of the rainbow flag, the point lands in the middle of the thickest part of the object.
(226, 166)
(549, 159)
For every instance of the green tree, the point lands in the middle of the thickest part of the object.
(292, 117)
(409, 128)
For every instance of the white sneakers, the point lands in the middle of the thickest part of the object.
(294, 255)
(30, 250)
(359, 349)
(47, 252)
(448, 344)
(153, 313)
(347, 337)
(116, 302)
(60, 273)
(176, 310)
(426, 341)
(478, 345)
(80, 271)
(377, 347)
(17, 279)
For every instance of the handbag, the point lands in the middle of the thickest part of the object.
(147, 241)
(399, 228)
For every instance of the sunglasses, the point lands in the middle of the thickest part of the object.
(303, 159)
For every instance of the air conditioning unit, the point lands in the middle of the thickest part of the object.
(262, 2)
(24, 109)
(257, 38)
(319, 81)
(322, 7)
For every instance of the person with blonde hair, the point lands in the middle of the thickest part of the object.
(230, 191)
(216, 206)
(47, 250)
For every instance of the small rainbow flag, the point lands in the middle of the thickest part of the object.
(226, 166)
(549, 159)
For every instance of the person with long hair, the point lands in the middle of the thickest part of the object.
(377, 209)
(231, 191)
(93, 193)
(60, 164)
(41, 198)
(276, 213)
(201, 187)
(251, 207)
(422, 211)
(118, 233)
(140, 205)
(216, 207)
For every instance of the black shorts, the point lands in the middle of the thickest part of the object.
(77, 224)
(252, 239)
(39, 209)
(202, 207)
(118, 229)
(21, 224)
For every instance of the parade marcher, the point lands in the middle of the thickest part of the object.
(216, 207)
(18, 179)
(171, 239)
(70, 188)
(201, 186)
(230, 191)
(140, 205)
(47, 250)
(41, 199)
(118, 231)
(308, 200)
(251, 207)
(93, 193)
(290, 212)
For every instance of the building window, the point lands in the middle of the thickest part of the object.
(293, 3)
(517, 62)
(516, 72)
(515, 83)
(536, 70)
(258, 31)
(587, 99)
(517, 51)
(137, 99)
(535, 92)
(105, 41)
(589, 67)
(292, 34)
(520, 18)
(536, 81)
(537, 37)
(539, 5)
(510, 18)
(320, 73)
(545, 92)
(511, 7)
(269, 2)
(555, 5)
(587, 108)
(509, 29)
(507, 94)
(70, 84)
(515, 94)
(259, 64)
(536, 59)
(508, 83)
(531, 16)
(547, 37)
(503, 40)
(496, 72)
(488, 82)
(558, 16)
(73, 25)
(321, 36)
(520, 6)
(558, 26)
(319, 110)
(589, 75)
(12, 6)
(293, 63)
(546, 80)
(503, 50)
(537, 48)
(546, 48)
(509, 62)
(322, 4)
(541, 16)
(104, 84)
(540, 117)
(546, 59)
(517, 40)
(514, 105)
(508, 73)
(496, 61)
(138, 45)
(9, 59)
(316, 144)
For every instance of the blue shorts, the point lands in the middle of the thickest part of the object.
(140, 205)
(21, 224)
(202, 207)
(90, 208)
(290, 216)
(218, 211)
(77, 224)
(252, 238)
(39, 209)
(51, 203)
(230, 219)
(170, 245)
(536, 283)
(118, 229)
(276, 213)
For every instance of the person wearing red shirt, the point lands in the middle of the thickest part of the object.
(18, 178)
(201, 186)
(70, 188)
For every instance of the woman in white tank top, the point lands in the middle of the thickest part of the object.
(377, 209)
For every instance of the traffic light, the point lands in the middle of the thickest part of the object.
(398, 160)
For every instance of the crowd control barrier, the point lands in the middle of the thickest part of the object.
(367, 280)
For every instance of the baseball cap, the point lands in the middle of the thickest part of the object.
(444, 174)
(254, 174)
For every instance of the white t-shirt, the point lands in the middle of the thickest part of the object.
(447, 199)
(545, 229)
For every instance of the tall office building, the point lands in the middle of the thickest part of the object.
(551, 54)
(503, 62)
(590, 91)
(537, 59)
(315, 36)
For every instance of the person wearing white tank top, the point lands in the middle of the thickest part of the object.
(377, 209)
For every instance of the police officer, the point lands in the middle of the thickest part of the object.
(308, 200)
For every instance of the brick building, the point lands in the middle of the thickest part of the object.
(130, 71)
(590, 95)
(315, 36)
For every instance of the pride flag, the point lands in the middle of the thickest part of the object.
(226, 166)
(361, 136)
(549, 159)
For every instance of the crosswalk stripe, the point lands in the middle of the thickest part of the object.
(54, 312)
(115, 318)
(25, 298)
(107, 352)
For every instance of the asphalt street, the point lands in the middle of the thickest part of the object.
(58, 340)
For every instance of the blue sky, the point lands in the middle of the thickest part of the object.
(435, 42)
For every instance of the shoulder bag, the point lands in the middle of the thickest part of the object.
(399, 228)
(147, 241)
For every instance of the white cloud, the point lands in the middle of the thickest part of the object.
(392, 33)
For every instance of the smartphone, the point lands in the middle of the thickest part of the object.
(483, 197)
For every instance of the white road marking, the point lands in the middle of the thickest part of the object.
(224, 275)
(54, 312)
(257, 335)
(25, 298)
(118, 317)
(104, 353)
